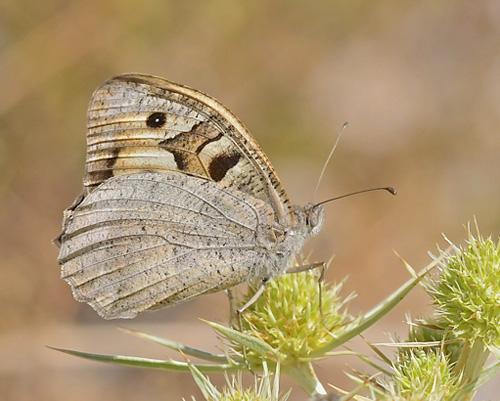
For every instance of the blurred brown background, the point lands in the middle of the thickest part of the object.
(419, 83)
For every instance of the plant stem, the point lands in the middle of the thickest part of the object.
(303, 374)
(472, 362)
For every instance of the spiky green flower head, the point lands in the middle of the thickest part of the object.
(261, 391)
(467, 295)
(431, 331)
(265, 387)
(288, 316)
(421, 374)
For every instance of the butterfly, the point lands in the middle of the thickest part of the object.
(179, 200)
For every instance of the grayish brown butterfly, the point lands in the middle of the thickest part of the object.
(178, 201)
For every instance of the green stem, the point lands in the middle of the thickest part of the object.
(475, 361)
(303, 374)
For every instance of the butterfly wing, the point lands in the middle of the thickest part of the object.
(149, 239)
(140, 122)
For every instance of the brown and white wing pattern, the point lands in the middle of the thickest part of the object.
(145, 240)
(141, 122)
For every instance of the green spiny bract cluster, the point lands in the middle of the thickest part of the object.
(425, 371)
(287, 316)
(467, 295)
(422, 374)
(265, 387)
(239, 393)
(453, 344)
(432, 331)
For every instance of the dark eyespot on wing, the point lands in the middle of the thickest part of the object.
(156, 120)
(221, 164)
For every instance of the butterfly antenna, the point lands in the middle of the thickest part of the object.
(344, 127)
(391, 190)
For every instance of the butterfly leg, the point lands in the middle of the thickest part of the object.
(232, 309)
(235, 320)
(304, 268)
(237, 312)
(254, 298)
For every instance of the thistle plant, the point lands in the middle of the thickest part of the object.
(292, 320)
(298, 321)
(467, 295)
(291, 317)
(445, 355)
(265, 387)
(421, 374)
(467, 300)
(271, 336)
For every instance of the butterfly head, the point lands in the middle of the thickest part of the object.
(312, 218)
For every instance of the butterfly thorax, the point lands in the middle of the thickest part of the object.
(308, 221)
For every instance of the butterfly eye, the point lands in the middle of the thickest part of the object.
(156, 120)
(315, 216)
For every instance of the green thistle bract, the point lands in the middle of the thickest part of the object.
(432, 331)
(287, 316)
(467, 296)
(265, 387)
(423, 375)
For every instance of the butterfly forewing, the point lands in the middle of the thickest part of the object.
(151, 239)
(139, 122)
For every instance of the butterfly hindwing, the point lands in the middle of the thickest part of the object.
(151, 239)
